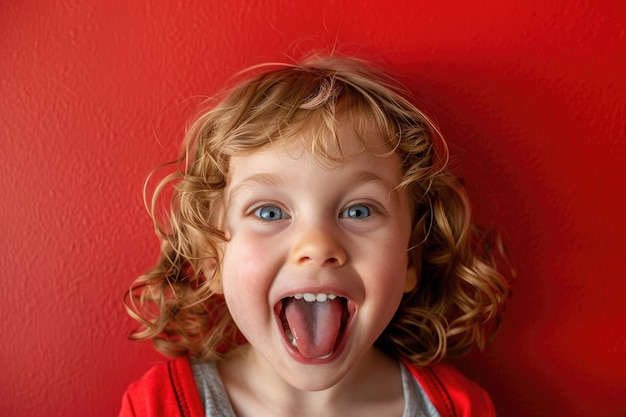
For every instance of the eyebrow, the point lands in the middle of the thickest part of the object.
(257, 179)
(363, 177)
(271, 180)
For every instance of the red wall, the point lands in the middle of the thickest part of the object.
(93, 94)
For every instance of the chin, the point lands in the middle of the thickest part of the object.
(312, 383)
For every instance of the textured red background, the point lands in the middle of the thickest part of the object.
(94, 94)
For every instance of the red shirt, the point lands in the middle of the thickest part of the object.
(169, 390)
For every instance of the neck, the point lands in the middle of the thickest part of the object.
(370, 387)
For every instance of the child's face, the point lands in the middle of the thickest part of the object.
(295, 227)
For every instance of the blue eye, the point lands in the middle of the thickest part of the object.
(356, 212)
(270, 213)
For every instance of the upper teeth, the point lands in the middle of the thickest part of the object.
(310, 297)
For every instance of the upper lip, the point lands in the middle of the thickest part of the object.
(313, 290)
(318, 282)
(349, 303)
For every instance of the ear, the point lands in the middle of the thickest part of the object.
(209, 266)
(411, 279)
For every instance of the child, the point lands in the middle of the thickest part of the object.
(318, 258)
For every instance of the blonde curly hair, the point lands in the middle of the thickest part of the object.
(463, 270)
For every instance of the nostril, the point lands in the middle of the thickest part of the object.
(329, 261)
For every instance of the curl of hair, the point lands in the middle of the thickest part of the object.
(462, 269)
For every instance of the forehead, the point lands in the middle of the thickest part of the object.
(346, 148)
(335, 142)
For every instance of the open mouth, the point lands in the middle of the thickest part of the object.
(314, 324)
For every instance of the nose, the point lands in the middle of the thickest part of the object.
(317, 247)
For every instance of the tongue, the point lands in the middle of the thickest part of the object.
(315, 326)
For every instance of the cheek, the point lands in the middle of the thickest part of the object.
(243, 273)
(243, 252)
(389, 268)
(240, 285)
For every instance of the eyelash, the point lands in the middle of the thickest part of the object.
(356, 209)
(257, 213)
(353, 210)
